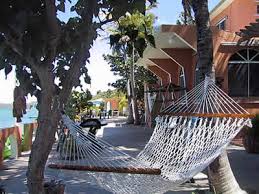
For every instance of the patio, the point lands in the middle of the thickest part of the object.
(130, 139)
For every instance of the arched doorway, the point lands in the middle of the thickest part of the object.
(243, 73)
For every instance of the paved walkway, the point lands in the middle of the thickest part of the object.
(130, 139)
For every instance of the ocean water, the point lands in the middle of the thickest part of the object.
(7, 119)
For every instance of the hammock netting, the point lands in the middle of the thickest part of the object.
(188, 136)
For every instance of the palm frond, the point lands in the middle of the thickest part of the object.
(187, 9)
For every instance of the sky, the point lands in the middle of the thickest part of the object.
(167, 12)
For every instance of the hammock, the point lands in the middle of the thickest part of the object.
(188, 136)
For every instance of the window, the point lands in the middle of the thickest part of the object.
(257, 9)
(222, 24)
(243, 71)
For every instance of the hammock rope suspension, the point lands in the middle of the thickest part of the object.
(80, 150)
(193, 131)
(188, 136)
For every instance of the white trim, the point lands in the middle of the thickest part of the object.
(182, 68)
(254, 42)
(184, 41)
(221, 6)
(229, 43)
(169, 74)
(222, 20)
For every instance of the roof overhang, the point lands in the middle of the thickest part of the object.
(163, 40)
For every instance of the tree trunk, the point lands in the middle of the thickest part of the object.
(130, 116)
(47, 125)
(147, 111)
(132, 84)
(220, 174)
(222, 178)
(45, 134)
(204, 38)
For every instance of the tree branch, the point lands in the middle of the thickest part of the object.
(82, 53)
(54, 30)
(15, 45)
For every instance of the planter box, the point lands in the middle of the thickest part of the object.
(54, 187)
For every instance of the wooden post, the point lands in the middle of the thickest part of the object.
(27, 141)
(2, 144)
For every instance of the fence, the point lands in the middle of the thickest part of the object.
(20, 139)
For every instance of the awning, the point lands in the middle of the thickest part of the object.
(163, 40)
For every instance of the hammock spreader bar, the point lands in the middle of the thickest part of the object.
(150, 171)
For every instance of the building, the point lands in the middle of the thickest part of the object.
(173, 60)
(232, 15)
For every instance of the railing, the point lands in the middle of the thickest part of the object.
(20, 139)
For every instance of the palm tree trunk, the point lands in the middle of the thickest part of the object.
(222, 178)
(130, 119)
(147, 111)
(220, 173)
(204, 38)
(133, 99)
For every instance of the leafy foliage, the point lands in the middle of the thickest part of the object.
(33, 38)
(133, 33)
(185, 19)
(119, 67)
(123, 103)
(133, 30)
(108, 94)
(78, 102)
(254, 130)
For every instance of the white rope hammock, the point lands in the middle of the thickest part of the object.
(188, 136)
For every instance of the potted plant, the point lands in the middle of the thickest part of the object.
(54, 187)
(251, 138)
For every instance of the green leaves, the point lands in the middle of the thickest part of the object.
(138, 28)
(151, 39)
(132, 34)
(29, 40)
(140, 45)
(114, 39)
(61, 6)
(119, 67)
(2, 65)
(78, 102)
(7, 70)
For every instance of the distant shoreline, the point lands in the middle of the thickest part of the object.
(5, 105)
(6, 116)
(10, 105)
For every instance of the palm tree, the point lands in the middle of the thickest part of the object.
(220, 173)
(129, 40)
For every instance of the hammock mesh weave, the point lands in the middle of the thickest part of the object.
(187, 137)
